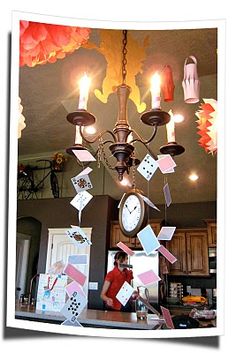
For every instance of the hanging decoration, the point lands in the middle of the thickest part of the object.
(21, 119)
(58, 161)
(167, 85)
(191, 83)
(111, 47)
(207, 125)
(41, 42)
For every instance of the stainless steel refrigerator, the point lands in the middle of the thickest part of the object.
(141, 263)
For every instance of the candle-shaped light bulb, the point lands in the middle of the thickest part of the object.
(78, 137)
(84, 84)
(156, 91)
(170, 129)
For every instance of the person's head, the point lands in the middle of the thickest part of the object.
(120, 258)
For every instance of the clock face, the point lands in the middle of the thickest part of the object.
(132, 214)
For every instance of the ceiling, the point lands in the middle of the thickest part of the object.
(48, 94)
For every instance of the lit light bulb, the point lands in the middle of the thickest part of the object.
(125, 182)
(90, 130)
(193, 177)
(84, 85)
(156, 91)
(178, 118)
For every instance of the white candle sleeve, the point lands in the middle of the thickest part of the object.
(170, 129)
(83, 92)
(78, 137)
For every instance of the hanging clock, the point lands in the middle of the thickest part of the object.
(132, 213)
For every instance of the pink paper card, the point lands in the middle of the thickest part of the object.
(167, 317)
(74, 287)
(75, 274)
(83, 155)
(166, 163)
(166, 233)
(170, 257)
(125, 248)
(166, 191)
(148, 277)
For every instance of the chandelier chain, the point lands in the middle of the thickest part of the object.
(102, 154)
(133, 172)
(124, 60)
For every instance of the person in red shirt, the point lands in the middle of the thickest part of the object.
(114, 281)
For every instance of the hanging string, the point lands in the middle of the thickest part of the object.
(165, 216)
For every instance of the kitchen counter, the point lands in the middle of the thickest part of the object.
(92, 318)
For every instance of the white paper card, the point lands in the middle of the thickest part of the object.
(84, 155)
(149, 202)
(148, 239)
(125, 293)
(81, 200)
(147, 167)
(68, 322)
(166, 233)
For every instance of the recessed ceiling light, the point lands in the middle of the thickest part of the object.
(193, 177)
(178, 118)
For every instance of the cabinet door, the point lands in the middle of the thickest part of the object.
(117, 236)
(211, 230)
(177, 246)
(197, 253)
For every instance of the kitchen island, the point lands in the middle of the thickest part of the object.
(93, 318)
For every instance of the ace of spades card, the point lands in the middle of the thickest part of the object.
(125, 293)
(82, 182)
(74, 306)
(147, 167)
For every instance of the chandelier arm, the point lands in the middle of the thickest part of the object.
(145, 142)
(98, 136)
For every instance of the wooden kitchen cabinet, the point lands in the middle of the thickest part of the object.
(190, 247)
(211, 231)
(116, 235)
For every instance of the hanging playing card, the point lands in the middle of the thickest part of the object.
(74, 306)
(82, 182)
(84, 155)
(125, 293)
(166, 164)
(148, 240)
(81, 200)
(78, 236)
(147, 167)
(167, 194)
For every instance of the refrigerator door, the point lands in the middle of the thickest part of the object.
(141, 263)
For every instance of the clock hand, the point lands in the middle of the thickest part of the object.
(128, 208)
(133, 209)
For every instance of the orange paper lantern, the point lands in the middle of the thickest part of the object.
(41, 43)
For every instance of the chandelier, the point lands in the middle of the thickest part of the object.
(123, 137)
